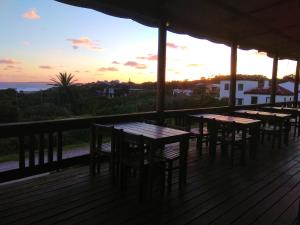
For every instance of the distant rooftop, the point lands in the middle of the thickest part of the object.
(267, 91)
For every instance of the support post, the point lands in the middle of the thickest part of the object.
(161, 67)
(233, 65)
(296, 85)
(274, 79)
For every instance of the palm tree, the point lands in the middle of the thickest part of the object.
(64, 82)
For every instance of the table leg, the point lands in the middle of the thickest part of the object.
(244, 135)
(298, 128)
(184, 145)
(153, 148)
(280, 135)
(254, 141)
(286, 132)
(213, 131)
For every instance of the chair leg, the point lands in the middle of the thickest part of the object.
(163, 180)
(232, 156)
(122, 176)
(92, 165)
(199, 145)
(273, 141)
(262, 137)
(98, 164)
(170, 174)
(141, 184)
(113, 169)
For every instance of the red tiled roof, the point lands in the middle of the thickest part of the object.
(267, 91)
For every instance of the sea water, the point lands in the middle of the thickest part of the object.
(25, 86)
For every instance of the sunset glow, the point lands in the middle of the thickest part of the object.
(39, 39)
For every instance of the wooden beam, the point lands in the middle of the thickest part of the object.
(233, 65)
(274, 79)
(296, 85)
(161, 67)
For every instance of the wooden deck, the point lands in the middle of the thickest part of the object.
(262, 192)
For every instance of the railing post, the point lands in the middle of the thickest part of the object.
(233, 65)
(161, 67)
(296, 85)
(274, 79)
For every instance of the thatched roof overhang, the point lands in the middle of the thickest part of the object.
(271, 26)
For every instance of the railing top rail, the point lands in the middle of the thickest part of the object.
(21, 128)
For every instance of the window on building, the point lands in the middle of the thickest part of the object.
(284, 99)
(267, 99)
(253, 100)
(226, 87)
(239, 101)
(240, 87)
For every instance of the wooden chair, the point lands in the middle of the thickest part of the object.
(273, 129)
(294, 123)
(104, 143)
(233, 137)
(169, 155)
(200, 133)
(133, 155)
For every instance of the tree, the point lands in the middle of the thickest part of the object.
(64, 82)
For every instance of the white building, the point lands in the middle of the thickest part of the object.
(187, 92)
(241, 87)
(262, 95)
(252, 92)
(289, 85)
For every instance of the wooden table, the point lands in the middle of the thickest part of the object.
(262, 114)
(241, 123)
(156, 136)
(295, 112)
(282, 119)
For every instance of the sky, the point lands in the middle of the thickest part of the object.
(40, 39)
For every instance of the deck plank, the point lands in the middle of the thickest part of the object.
(265, 191)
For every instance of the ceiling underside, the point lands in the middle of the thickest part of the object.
(271, 26)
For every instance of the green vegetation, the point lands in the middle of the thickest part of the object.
(68, 99)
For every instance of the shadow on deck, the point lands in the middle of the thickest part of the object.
(265, 191)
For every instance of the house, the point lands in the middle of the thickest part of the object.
(289, 85)
(187, 92)
(241, 86)
(250, 92)
(262, 95)
(112, 89)
(207, 88)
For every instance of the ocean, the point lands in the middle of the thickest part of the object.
(25, 86)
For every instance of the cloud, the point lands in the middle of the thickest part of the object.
(148, 57)
(25, 43)
(175, 46)
(46, 67)
(172, 45)
(115, 62)
(108, 69)
(13, 67)
(135, 65)
(85, 42)
(31, 15)
(9, 62)
(193, 65)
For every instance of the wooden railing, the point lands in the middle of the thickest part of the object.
(47, 137)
